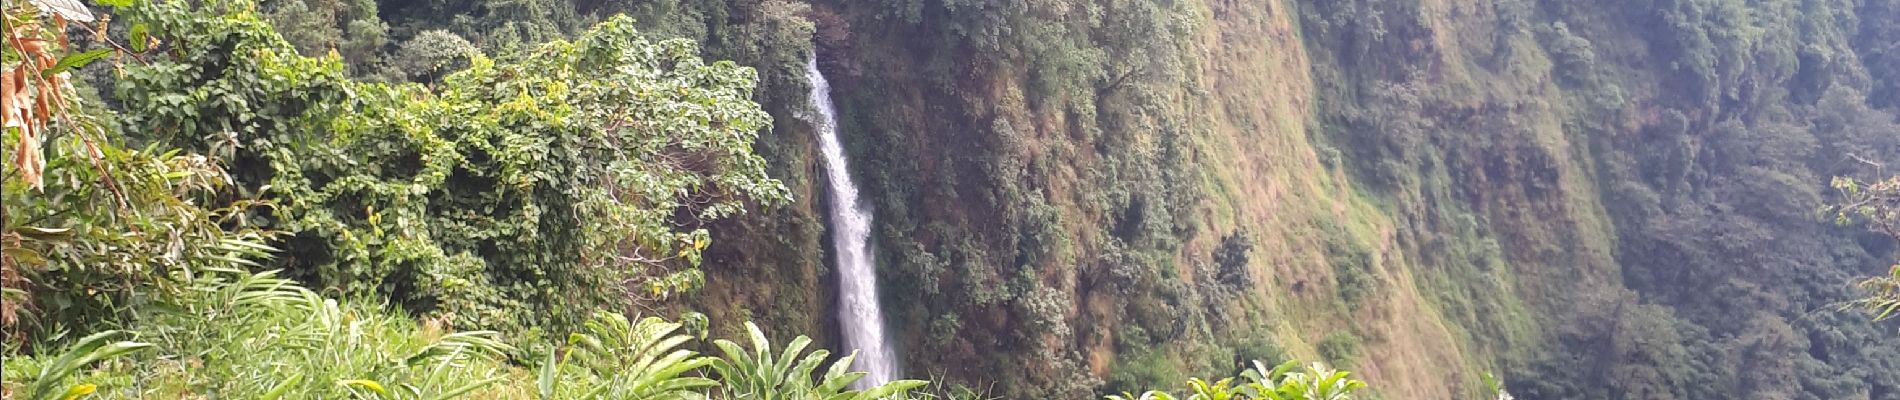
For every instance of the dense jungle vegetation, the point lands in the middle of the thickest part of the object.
(1619, 200)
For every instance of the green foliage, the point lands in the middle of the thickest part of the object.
(1231, 259)
(624, 360)
(1137, 371)
(235, 334)
(349, 28)
(512, 195)
(1575, 56)
(1340, 348)
(1710, 40)
(1883, 294)
(431, 54)
(1877, 203)
(553, 175)
(944, 328)
(757, 373)
(253, 335)
(1708, 170)
(48, 381)
(1633, 145)
(1254, 349)
(75, 260)
(1045, 310)
(1008, 188)
(940, 390)
(1497, 389)
(1353, 274)
(1316, 382)
(88, 226)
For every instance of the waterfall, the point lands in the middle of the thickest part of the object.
(858, 311)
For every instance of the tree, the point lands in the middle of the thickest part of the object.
(431, 54)
(88, 226)
(509, 195)
(1878, 204)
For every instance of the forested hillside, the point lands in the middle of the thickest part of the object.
(1592, 200)
(1622, 199)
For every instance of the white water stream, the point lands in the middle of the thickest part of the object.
(862, 320)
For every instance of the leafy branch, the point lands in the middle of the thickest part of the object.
(1877, 204)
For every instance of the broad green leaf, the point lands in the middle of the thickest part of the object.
(77, 60)
(139, 34)
(283, 387)
(544, 384)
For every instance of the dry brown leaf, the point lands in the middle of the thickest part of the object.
(27, 113)
(28, 160)
(12, 92)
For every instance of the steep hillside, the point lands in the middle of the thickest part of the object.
(1592, 200)
(1134, 178)
(1430, 191)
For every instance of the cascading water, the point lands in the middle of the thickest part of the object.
(858, 310)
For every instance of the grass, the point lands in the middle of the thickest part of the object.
(241, 335)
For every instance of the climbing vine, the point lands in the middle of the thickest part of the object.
(515, 193)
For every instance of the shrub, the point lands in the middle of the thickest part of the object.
(518, 194)
(50, 379)
(1330, 156)
(1352, 264)
(620, 359)
(1316, 382)
(240, 335)
(69, 245)
(89, 228)
(1045, 309)
(1232, 257)
(1135, 371)
(1258, 349)
(432, 52)
(1339, 348)
(944, 328)
(757, 373)
(1575, 57)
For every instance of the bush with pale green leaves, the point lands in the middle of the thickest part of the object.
(1285, 382)
(257, 336)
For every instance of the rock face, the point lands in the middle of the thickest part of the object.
(1588, 199)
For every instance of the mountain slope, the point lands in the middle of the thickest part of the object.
(1593, 200)
(1453, 187)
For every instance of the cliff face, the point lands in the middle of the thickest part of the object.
(1591, 200)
